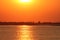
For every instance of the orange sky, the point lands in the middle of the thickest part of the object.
(37, 10)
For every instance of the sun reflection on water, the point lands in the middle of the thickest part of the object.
(25, 32)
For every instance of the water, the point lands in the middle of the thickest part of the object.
(29, 32)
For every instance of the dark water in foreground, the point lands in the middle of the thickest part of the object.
(26, 32)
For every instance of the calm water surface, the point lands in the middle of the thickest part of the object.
(29, 32)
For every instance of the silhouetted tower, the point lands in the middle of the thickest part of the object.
(38, 22)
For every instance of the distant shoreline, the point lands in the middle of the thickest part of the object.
(28, 23)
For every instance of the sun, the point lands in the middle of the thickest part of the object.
(24, 0)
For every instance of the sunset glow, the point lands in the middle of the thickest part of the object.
(24, 0)
(29, 10)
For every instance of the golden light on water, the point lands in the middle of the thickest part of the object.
(25, 33)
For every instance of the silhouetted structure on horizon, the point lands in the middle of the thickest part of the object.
(30, 23)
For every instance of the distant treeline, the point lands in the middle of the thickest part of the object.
(29, 23)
